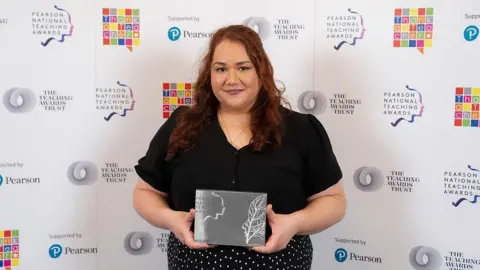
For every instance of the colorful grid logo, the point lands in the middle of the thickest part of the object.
(175, 95)
(413, 28)
(9, 249)
(467, 103)
(121, 27)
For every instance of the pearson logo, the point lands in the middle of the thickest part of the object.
(7, 180)
(174, 34)
(56, 251)
(341, 256)
(471, 33)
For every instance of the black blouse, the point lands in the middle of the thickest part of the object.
(303, 166)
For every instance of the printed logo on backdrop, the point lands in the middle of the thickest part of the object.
(260, 25)
(139, 243)
(9, 249)
(24, 100)
(344, 29)
(53, 25)
(182, 19)
(82, 173)
(113, 173)
(467, 107)
(425, 257)
(344, 241)
(175, 95)
(315, 102)
(342, 255)
(282, 29)
(471, 32)
(19, 100)
(15, 179)
(413, 28)
(142, 243)
(121, 27)
(87, 173)
(56, 251)
(51, 100)
(372, 179)
(458, 260)
(463, 186)
(175, 33)
(115, 100)
(403, 106)
(3, 22)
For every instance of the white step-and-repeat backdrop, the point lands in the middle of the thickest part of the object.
(86, 84)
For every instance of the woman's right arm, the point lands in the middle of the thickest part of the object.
(152, 206)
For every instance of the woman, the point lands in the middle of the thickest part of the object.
(238, 136)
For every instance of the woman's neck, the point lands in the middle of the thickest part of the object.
(234, 117)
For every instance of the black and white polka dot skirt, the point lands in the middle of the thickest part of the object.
(297, 255)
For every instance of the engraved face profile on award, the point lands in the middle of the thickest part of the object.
(230, 218)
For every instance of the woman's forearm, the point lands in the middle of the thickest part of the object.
(320, 214)
(153, 208)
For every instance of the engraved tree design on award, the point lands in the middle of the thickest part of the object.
(254, 226)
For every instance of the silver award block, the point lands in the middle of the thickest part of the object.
(232, 218)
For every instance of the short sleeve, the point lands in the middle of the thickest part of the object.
(152, 168)
(323, 168)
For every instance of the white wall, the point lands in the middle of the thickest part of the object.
(59, 124)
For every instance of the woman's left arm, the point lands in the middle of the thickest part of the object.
(324, 210)
(326, 198)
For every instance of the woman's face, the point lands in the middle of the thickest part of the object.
(234, 79)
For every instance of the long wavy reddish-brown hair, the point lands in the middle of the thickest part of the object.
(266, 117)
